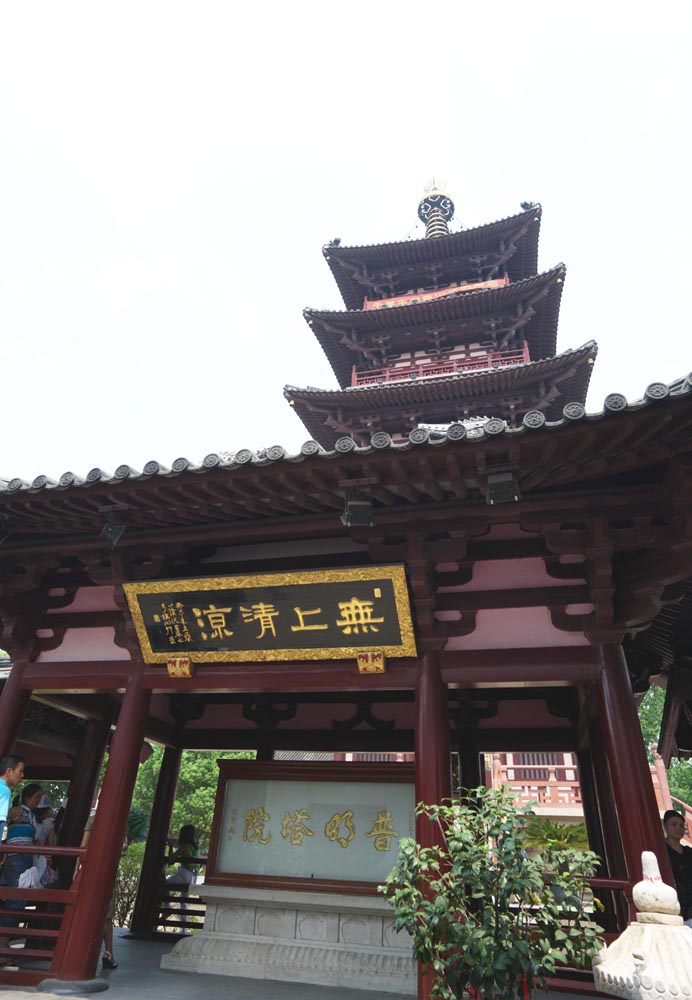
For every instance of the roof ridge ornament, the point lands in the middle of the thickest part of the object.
(436, 209)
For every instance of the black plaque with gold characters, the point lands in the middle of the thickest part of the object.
(320, 615)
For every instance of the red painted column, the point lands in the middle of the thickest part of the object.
(84, 779)
(149, 889)
(432, 741)
(635, 800)
(79, 955)
(85, 776)
(13, 705)
(432, 758)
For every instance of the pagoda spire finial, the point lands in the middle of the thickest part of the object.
(436, 209)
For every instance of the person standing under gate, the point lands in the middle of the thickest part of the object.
(11, 774)
(21, 831)
(183, 877)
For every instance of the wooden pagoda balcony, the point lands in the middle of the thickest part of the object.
(439, 369)
(553, 787)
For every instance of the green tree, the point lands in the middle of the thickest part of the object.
(194, 801)
(650, 715)
(680, 779)
(126, 883)
(486, 918)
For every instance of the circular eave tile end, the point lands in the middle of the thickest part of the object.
(419, 435)
(494, 426)
(381, 440)
(615, 402)
(574, 411)
(456, 432)
(534, 419)
(656, 391)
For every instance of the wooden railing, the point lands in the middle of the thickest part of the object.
(664, 799)
(438, 369)
(180, 912)
(43, 922)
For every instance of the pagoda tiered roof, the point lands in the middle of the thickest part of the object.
(544, 385)
(351, 337)
(515, 238)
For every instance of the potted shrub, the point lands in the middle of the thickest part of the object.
(488, 921)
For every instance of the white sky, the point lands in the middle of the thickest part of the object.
(170, 171)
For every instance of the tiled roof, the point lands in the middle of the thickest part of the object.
(571, 370)
(524, 262)
(408, 326)
(274, 486)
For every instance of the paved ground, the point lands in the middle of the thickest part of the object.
(138, 977)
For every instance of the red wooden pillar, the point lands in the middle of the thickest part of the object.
(432, 758)
(635, 800)
(149, 889)
(13, 705)
(84, 779)
(78, 956)
(85, 776)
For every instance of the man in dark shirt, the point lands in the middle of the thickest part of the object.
(680, 861)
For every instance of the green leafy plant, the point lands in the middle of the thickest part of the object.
(487, 920)
(126, 882)
(542, 833)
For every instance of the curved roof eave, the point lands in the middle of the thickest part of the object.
(254, 488)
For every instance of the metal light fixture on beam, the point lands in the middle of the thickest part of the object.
(112, 531)
(357, 512)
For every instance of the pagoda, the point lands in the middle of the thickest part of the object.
(454, 327)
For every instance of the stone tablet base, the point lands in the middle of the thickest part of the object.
(329, 939)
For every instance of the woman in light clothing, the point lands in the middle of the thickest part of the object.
(183, 855)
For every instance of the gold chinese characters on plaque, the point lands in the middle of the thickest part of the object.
(361, 613)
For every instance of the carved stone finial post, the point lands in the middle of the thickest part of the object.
(652, 958)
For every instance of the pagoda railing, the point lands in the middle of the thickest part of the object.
(554, 787)
(439, 369)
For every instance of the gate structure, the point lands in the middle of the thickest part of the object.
(536, 546)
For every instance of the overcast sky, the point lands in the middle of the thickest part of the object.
(170, 171)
